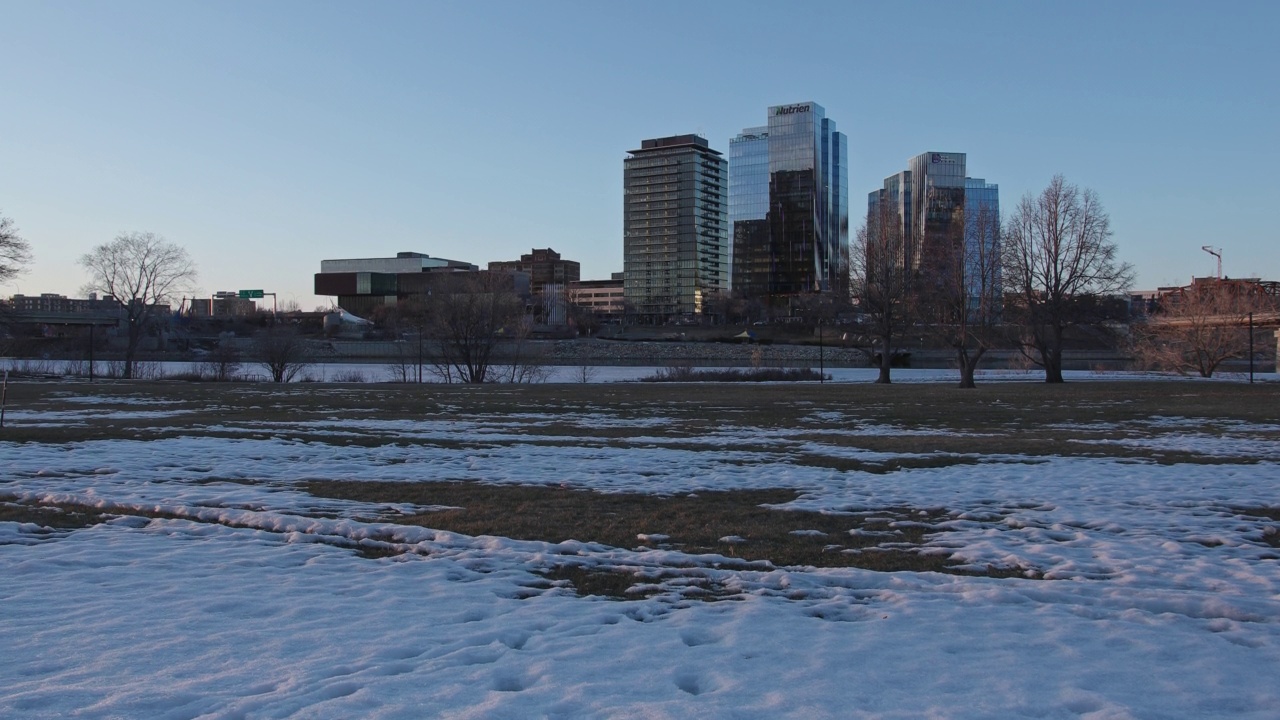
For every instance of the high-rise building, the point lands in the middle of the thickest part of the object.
(982, 238)
(789, 204)
(937, 194)
(675, 227)
(928, 199)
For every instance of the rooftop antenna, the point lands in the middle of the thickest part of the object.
(1216, 253)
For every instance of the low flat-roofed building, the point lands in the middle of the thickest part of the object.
(603, 297)
(403, 262)
(62, 305)
(362, 285)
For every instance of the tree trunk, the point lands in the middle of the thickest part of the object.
(1053, 365)
(131, 349)
(886, 358)
(969, 365)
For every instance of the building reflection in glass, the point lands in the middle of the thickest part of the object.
(788, 204)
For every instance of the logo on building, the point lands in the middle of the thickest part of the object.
(944, 158)
(792, 109)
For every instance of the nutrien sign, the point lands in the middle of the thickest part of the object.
(792, 109)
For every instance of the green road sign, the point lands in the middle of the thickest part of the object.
(250, 294)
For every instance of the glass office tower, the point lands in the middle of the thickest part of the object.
(675, 227)
(749, 208)
(937, 197)
(982, 239)
(897, 194)
(789, 208)
(928, 198)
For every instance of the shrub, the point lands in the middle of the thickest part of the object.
(680, 373)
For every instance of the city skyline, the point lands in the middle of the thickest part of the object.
(265, 138)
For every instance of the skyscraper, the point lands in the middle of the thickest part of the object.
(675, 226)
(982, 240)
(789, 204)
(928, 198)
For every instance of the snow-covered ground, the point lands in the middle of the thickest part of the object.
(1150, 590)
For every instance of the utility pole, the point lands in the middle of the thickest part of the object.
(1250, 348)
(1216, 253)
(822, 361)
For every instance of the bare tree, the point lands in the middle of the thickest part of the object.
(1198, 328)
(882, 282)
(526, 363)
(408, 317)
(471, 314)
(724, 307)
(222, 364)
(1059, 264)
(283, 352)
(15, 252)
(144, 272)
(961, 286)
(581, 316)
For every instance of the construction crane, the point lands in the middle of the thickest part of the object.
(1216, 253)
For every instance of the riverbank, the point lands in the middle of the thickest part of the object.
(594, 351)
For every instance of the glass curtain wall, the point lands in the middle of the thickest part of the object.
(838, 199)
(797, 222)
(789, 205)
(937, 196)
(749, 211)
(982, 241)
(896, 194)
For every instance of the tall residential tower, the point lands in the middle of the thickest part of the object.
(789, 205)
(675, 227)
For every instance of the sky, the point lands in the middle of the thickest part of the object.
(266, 137)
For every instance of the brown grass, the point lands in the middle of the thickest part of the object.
(1024, 420)
(694, 523)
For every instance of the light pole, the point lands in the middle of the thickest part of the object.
(1250, 348)
(822, 363)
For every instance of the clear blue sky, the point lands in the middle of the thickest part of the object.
(267, 136)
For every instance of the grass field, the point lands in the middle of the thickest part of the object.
(835, 428)
(1095, 549)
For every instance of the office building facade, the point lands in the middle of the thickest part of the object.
(362, 285)
(545, 267)
(602, 297)
(982, 240)
(789, 205)
(675, 227)
(927, 200)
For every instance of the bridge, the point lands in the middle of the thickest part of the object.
(1260, 320)
(47, 317)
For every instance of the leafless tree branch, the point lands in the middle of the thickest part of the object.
(1060, 264)
(144, 272)
(15, 252)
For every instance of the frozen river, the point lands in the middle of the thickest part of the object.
(382, 372)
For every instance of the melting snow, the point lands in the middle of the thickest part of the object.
(1160, 597)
